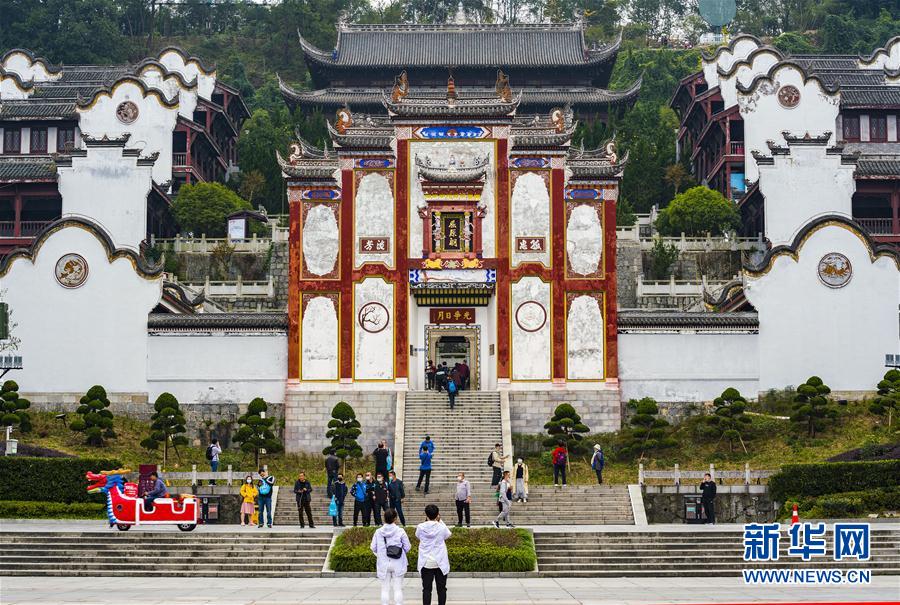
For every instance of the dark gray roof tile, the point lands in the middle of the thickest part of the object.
(26, 168)
(218, 322)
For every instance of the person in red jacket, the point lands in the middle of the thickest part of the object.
(559, 457)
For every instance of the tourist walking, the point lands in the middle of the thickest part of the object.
(264, 487)
(332, 468)
(521, 470)
(560, 458)
(598, 462)
(463, 500)
(465, 375)
(430, 371)
(708, 498)
(249, 493)
(381, 455)
(440, 377)
(452, 389)
(379, 497)
(212, 454)
(496, 460)
(433, 563)
(390, 545)
(303, 493)
(424, 469)
(505, 500)
(358, 491)
(427, 443)
(339, 493)
(396, 494)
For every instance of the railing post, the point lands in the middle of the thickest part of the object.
(270, 287)
(230, 475)
(712, 472)
(746, 473)
(238, 288)
(254, 243)
(683, 242)
(703, 284)
(274, 225)
(672, 284)
(193, 474)
(640, 285)
(177, 244)
(641, 473)
(206, 285)
(677, 475)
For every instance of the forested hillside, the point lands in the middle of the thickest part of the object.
(251, 42)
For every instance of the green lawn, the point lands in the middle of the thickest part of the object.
(773, 442)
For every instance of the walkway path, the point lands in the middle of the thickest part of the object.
(462, 591)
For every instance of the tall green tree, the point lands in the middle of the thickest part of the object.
(12, 407)
(696, 212)
(255, 433)
(812, 407)
(167, 427)
(261, 135)
(887, 402)
(343, 430)
(566, 426)
(96, 420)
(203, 208)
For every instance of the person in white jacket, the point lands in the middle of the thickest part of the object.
(390, 570)
(433, 564)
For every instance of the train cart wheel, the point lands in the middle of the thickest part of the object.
(123, 526)
(187, 526)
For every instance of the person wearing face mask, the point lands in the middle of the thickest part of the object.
(397, 493)
(370, 500)
(358, 491)
(249, 493)
(463, 500)
(339, 493)
(379, 498)
(521, 470)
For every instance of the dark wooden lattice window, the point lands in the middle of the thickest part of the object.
(38, 140)
(851, 128)
(12, 140)
(878, 129)
(65, 139)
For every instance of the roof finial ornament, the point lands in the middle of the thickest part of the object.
(611, 151)
(344, 119)
(401, 87)
(578, 16)
(558, 119)
(451, 88)
(460, 17)
(502, 86)
(343, 19)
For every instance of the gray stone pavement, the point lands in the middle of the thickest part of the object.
(461, 591)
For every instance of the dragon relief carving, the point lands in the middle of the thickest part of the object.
(401, 87)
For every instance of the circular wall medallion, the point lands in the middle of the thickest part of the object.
(835, 270)
(531, 316)
(789, 96)
(71, 270)
(373, 317)
(127, 112)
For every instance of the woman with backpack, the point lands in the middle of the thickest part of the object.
(452, 389)
(390, 545)
(560, 458)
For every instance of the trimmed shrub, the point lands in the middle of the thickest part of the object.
(166, 427)
(812, 407)
(50, 479)
(845, 504)
(343, 430)
(482, 549)
(256, 432)
(566, 426)
(728, 420)
(802, 480)
(888, 400)
(96, 421)
(19, 509)
(12, 407)
(647, 432)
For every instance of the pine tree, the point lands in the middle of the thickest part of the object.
(167, 427)
(888, 400)
(343, 429)
(12, 407)
(565, 425)
(646, 432)
(96, 420)
(728, 419)
(255, 433)
(811, 406)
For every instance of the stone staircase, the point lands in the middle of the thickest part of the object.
(463, 437)
(164, 553)
(700, 553)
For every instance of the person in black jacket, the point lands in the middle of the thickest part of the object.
(379, 497)
(303, 493)
(332, 468)
(396, 494)
(708, 498)
(339, 493)
(370, 501)
(380, 455)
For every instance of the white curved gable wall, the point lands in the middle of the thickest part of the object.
(175, 61)
(29, 71)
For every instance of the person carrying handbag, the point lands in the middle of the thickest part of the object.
(390, 545)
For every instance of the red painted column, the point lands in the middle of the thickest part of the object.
(401, 250)
(294, 290)
(558, 272)
(895, 210)
(503, 285)
(346, 275)
(17, 209)
(610, 295)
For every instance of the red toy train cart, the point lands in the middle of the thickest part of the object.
(124, 508)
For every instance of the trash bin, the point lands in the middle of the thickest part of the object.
(693, 509)
(209, 509)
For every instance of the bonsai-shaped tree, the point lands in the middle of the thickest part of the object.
(888, 399)
(647, 432)
(812, 406)
(12, 407)
(343, 429)
(565, 425)
(166, 427)
(255, 433)
(728, 419)
(96, 420)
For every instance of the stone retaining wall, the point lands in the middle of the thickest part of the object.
(308, 413)
(734, 503)
(530, 410)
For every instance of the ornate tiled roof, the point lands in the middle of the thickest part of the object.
(639, 321)
(309, 168)
(603, 162)
(37, 109)
(364, 136)
(481, 45)
(453, 174)
(465, 105)
(217, 322)
(885, 166)
(27, 168)
(870, 96)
